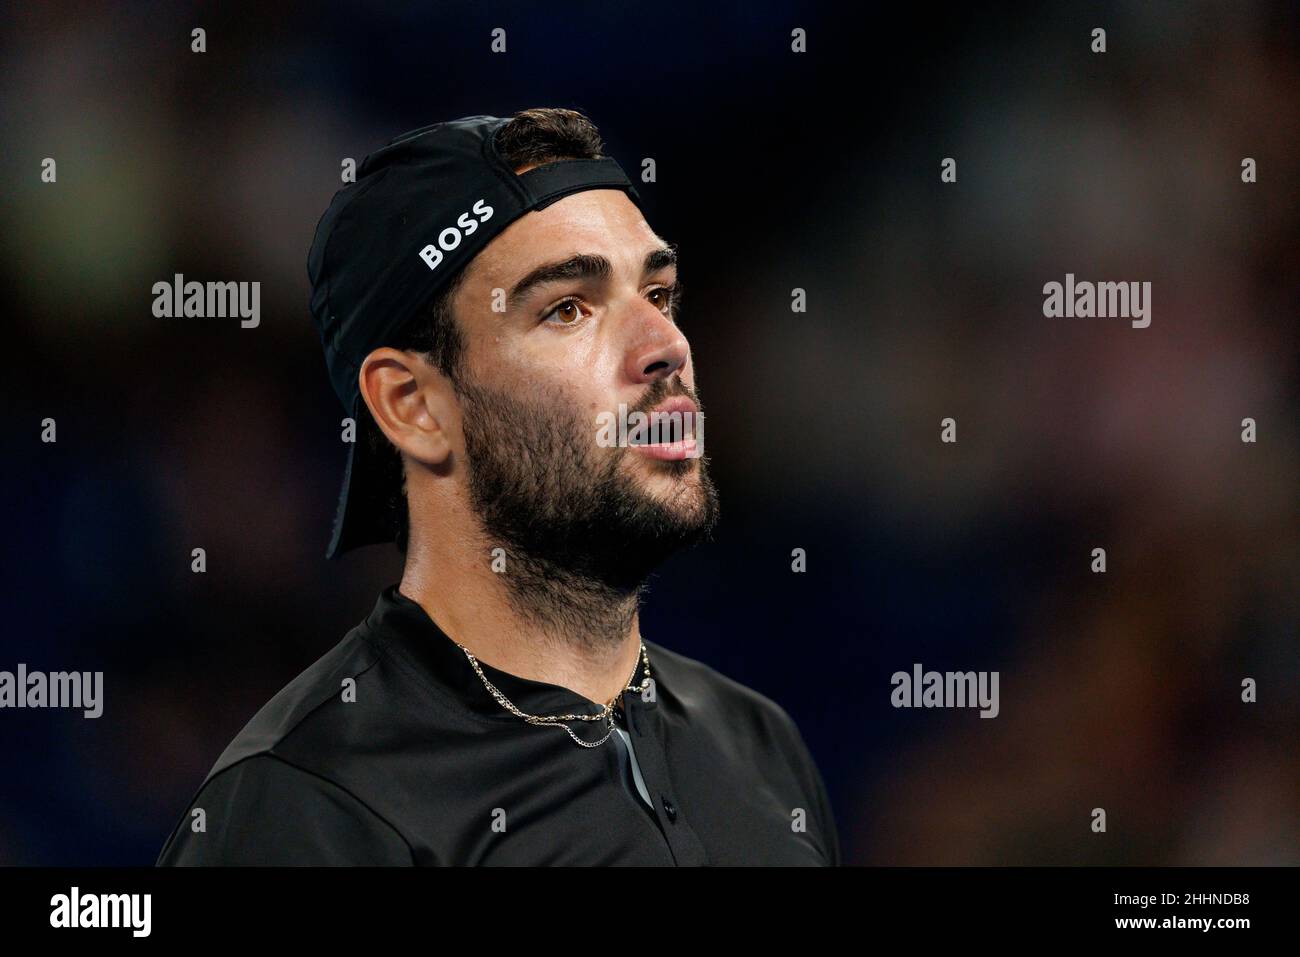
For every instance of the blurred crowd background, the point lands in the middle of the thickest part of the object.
(775, 171)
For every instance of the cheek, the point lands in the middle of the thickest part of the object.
(583, 385)
(586, 368)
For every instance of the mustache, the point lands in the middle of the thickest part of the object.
(662, 389)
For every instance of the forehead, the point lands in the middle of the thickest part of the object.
(603, 221)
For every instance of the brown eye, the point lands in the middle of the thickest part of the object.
(567, 312)
(667, 298)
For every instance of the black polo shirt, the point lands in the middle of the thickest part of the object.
(390, 750)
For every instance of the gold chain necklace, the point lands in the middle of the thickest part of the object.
(557, 720)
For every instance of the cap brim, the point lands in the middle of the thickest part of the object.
(363, 516)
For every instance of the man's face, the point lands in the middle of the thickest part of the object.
(591, 333)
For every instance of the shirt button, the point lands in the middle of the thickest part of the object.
(669, 809)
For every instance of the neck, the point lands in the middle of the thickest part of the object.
(525, 615)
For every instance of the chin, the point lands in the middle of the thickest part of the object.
(682, 496)
(668, 480)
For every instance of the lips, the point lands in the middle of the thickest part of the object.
(673, 422)
(667, 422)
(667, 451)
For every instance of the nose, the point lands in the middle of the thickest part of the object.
(656, 347)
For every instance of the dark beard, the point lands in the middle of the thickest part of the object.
(580, 537)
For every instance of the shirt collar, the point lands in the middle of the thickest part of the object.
(401, 624)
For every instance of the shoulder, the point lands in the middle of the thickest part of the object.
(700, 688)
(298, 710)
(264, 810)
(279, 793)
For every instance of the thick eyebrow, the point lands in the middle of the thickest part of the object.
(587, 266)
(660, 258)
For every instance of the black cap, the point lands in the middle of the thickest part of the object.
(422, 208)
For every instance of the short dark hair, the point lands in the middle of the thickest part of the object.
(531, 138)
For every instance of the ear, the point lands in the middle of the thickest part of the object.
(411, 402)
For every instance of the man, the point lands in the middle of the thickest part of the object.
(489, 296)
